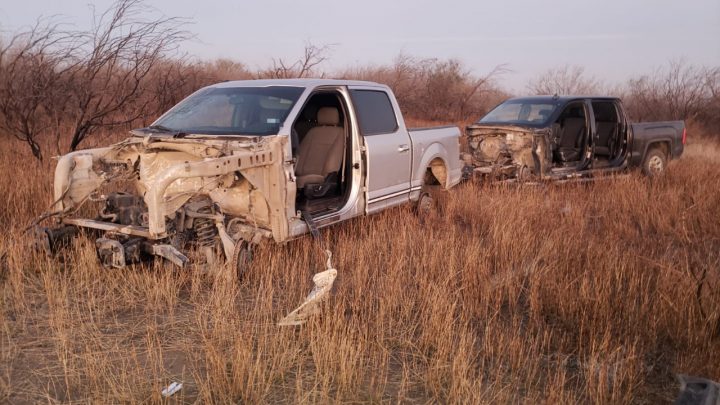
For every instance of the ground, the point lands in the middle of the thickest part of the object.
(597, 292)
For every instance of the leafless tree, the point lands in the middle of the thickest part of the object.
(169, 81)
(564, 80)
(711, 116)
(434, 89)
(305, 66)
(32, 65)
(678, 91)
(118, 54)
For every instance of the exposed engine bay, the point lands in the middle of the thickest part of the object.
(186, 200)
(504, 153)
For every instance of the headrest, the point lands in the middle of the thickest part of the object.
(545, 113)
(309, 112)
(328, 116)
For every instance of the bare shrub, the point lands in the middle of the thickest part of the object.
(87, 80)
(566, 80)
(118, 54)
(679, 91)
(435, 90)
(225, 69)
(32, 64)
(305, 66)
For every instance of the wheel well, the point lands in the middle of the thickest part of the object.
(436, 173)
(663, 146)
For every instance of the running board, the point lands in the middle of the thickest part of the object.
(311, 224)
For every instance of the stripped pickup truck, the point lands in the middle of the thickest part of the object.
(240, 161)
(561, 138)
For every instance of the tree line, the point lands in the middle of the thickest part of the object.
(59, 87)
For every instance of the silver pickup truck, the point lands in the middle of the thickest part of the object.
(240, 161)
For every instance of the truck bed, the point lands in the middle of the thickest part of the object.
(669, 133)
(436, 141)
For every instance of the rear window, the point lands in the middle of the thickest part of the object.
(375, 112)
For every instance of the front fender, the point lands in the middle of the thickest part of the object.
(63, 180)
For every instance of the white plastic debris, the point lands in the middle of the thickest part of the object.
(171, 389)
(323, 284)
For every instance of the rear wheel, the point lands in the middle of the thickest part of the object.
(426, 206)
(655, 162)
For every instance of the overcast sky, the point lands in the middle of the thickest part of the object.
(613, 39)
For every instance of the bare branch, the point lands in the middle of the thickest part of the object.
(313, 56)
(566, 80)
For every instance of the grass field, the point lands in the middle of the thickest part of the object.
(575, 293)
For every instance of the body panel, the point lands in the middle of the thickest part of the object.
(388, 157)
(649, 133)
(429, 144)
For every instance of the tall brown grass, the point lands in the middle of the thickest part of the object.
(566, 293)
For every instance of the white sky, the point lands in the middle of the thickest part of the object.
(613, 39)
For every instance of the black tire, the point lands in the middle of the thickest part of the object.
(655, 162)
(242, 256)
(426, 206)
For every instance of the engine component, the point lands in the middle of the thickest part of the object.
(111, 253)
(50, 240)
(170, 253)
(116, 253)
(125, 209)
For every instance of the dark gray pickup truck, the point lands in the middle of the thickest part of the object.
(561, 138)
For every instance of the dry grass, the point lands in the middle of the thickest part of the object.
(575, 293)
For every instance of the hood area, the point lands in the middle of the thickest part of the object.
(167, 173)
(508, 152)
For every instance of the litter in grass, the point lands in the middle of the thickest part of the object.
(311, 306)
(171, 389)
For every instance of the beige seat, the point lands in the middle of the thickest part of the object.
(321, 151)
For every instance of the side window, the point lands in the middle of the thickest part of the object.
(604, 111)
(375, 112)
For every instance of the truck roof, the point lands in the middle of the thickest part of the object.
(308, 82)
(562, 99)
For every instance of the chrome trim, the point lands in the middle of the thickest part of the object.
(396, 194)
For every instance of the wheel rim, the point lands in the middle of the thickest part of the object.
(655, 164)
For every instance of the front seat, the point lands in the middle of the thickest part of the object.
(570, 133)
(321, 151)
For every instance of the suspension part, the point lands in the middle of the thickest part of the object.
(205, 228)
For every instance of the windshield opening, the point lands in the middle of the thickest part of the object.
(233, 111)
(521, 112)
